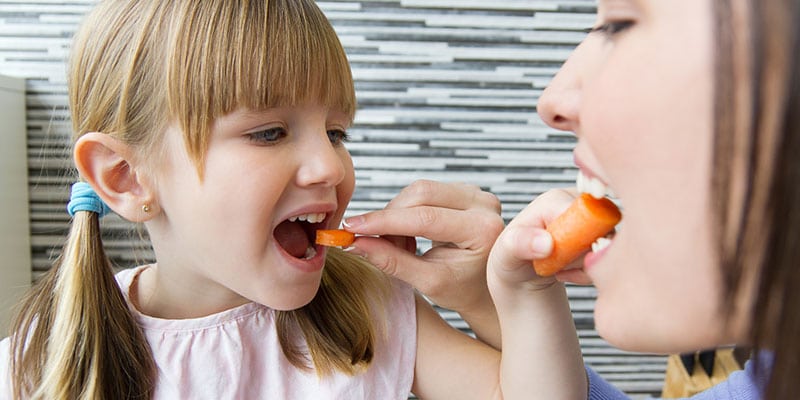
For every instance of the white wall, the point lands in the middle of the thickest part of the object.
(15, 246)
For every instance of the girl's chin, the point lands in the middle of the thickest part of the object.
(292, 297)
(287, 304)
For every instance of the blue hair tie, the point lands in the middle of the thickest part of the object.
(84, 198)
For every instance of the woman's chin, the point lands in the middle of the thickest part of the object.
(634, 333)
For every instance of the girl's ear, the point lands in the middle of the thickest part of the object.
(107, 165)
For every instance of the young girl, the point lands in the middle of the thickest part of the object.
(220, 125)
(688, 110)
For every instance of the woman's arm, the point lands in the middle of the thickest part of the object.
(541, 356)
(538, 333)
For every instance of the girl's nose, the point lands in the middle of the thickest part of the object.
(324, 165)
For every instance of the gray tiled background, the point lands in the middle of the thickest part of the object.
(447, 90)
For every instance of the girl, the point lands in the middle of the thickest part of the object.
(688, 110)
(220, 125)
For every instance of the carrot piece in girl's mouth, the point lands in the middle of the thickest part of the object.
(335, 237)
(573, 232)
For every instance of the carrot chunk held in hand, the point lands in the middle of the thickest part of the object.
(335, 237)
(573, 232)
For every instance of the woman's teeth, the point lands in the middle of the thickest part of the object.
(597, 189)
(600, 244)
(312, 218)
(593, 186)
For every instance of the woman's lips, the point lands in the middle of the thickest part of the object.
(592, 185)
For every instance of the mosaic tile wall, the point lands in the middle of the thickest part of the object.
(447, 90)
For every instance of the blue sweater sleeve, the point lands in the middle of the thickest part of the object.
(747, 384)
(599, 389)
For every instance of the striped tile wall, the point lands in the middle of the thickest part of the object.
(447, 91)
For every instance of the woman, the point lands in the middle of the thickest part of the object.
(688, 110)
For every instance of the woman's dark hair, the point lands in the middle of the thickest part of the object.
(756, 185)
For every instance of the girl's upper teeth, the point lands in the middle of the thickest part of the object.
(312, 218)
(593, 186)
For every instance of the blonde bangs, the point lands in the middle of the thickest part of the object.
(255, 55)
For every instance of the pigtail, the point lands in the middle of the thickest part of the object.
(338, 324)
(75, 337)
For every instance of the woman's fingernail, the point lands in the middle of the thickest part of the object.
(542, 243)
(353, 222)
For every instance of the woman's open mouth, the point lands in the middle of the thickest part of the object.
(296, 234)
(597, 189)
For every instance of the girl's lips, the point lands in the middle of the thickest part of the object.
(294, 235)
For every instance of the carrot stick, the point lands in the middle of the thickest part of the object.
(335, 237)
(573, 231)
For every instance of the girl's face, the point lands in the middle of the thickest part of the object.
(245, 230)
(639, 95)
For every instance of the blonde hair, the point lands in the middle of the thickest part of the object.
(137, 66)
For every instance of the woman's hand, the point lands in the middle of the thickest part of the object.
(526, 239)
(462, 221)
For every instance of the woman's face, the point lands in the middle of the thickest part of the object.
(639, 95)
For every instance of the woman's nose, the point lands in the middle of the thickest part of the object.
(558, 107)
(323, 165)
(559, 104)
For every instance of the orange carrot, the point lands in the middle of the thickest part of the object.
(573, 231)
(335, 237)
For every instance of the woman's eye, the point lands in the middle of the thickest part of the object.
(338, 136)
(612, 28)
(267, 136)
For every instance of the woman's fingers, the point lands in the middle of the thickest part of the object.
(465, 229)
(390, 257)
(457, 196)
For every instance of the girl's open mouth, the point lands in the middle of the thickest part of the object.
(296, 234)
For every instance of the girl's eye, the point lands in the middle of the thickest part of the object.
(612, 28)
(267, 136)
(338, 136)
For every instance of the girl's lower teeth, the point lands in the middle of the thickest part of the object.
(310, 253)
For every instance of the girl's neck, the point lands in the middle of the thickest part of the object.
(156, 294)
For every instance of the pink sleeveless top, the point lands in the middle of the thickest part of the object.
(235, 354)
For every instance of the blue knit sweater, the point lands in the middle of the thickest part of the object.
(747, 384)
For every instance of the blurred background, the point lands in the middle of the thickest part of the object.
(447, 90)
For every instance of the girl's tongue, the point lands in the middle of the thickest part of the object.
(292, 237)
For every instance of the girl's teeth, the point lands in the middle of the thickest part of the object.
(312, 218)
(310, 253)
(592, 186)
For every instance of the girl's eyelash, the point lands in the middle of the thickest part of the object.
(338, 136)
(273, 135)
(612, 28)
(267, 136)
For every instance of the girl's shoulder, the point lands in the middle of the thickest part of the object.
(402, 297)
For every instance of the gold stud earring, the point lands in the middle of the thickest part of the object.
(146, 208)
